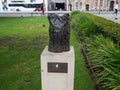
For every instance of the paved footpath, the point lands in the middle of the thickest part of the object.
(109, 16)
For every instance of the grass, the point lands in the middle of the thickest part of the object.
(22, 40)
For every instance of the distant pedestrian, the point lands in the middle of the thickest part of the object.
(43, 11)
(116, 9)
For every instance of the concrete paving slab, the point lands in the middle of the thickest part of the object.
(109, 16)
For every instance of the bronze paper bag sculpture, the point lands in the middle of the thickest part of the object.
(59, 33)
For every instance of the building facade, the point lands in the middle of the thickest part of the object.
(83, 5)
(67, 5)
(52, 5)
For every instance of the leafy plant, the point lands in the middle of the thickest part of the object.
(105, 60)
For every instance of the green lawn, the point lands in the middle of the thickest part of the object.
(22, 40)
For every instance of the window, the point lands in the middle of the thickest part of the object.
(76, 4)
(80, 5)
(101, 2)
(15, 5)
(32, 0)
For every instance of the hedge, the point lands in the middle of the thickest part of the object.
(107, 27)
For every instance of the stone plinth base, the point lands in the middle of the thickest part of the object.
(57, 70)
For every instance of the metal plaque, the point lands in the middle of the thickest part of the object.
(56, 67)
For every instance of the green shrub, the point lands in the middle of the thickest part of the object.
(82, 25)
(105, 60)
(108, 28)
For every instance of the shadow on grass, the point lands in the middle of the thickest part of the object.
(13, 43)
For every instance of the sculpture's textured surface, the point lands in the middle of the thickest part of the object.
(59, 33)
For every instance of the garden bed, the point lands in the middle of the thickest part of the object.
(101, 47)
